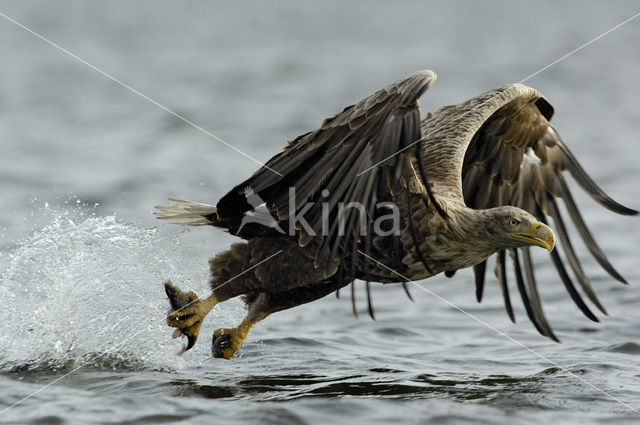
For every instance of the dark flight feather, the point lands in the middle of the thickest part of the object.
(501, 274)
(479, 270)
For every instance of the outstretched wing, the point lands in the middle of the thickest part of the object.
(350, 160)
(517, 158)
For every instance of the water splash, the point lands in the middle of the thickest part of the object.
(88, 290)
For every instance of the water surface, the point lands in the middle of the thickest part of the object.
(84, 160)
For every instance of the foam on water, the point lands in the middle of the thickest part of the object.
(89, 290)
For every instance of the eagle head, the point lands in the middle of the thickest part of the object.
(511, 227)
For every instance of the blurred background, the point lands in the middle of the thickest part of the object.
(76, 144)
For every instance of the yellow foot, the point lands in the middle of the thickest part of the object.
(227, 341)
(187, 313)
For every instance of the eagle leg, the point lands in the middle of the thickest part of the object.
(187, 313)
(227, 341)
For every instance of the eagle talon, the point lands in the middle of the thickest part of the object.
(220, 345)
(188, 313)
(177, 334)
(227, 341)
(191, 341)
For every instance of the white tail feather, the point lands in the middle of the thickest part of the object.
(185, 212)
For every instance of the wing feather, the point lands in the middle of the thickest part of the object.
(479, 271)
(501, 274)
(561, 231)
(584, 232)
(530, 297)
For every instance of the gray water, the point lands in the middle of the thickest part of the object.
(84, 160)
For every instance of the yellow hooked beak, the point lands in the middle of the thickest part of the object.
(542, 236)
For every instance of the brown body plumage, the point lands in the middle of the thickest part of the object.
(466, 182)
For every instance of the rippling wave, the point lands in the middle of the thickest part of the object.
(82, 309)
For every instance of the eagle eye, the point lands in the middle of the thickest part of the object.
(514, 222)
